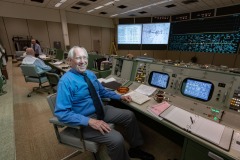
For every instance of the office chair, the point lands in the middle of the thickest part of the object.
(53, 79)
(31, 74)
(59, 54)
(72, 135)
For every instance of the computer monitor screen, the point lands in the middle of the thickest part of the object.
(155, 33)
(129, 34)
(198, 89)
(158, 79)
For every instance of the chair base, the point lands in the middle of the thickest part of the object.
(74, 154)
(41, 88)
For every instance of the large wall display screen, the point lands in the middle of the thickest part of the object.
(129, 34)
(155, 33)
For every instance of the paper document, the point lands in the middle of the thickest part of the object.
(42, 56)
(144, 89)
(157, 109)
(197, 125)
(58, 62)
(138, 97)
(109, 80)
(101, 80)
(106, 80)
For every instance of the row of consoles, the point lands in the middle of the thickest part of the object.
(212, 94)
(218, 89)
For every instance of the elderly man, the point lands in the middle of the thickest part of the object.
(31, 59)
(78, 103)
(36, 47)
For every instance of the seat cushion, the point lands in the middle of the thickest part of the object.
(70, 136)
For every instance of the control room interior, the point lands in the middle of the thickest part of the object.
(195, 68)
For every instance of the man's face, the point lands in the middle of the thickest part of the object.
(33, 42)
(79, 61)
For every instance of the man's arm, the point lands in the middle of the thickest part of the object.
(38, 49)
(39, 63)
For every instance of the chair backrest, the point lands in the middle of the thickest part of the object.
(52, 101)
(53, 78)
(60, 54)
(29, 70)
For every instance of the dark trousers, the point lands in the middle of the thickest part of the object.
(114, 140)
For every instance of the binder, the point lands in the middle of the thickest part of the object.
(213, 132)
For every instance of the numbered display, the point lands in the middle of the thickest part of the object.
(198, 89)
(158, 79)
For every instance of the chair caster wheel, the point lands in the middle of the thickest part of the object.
(29, 95)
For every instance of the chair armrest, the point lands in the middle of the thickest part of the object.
(55, 121)
(106, 99)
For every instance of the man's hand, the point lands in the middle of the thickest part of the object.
(126, 98)
(99, 125)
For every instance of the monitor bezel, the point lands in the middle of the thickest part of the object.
(150, 78)
(199, 80)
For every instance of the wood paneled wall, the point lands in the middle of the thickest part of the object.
(48, 32)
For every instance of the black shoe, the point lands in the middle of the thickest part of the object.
(138, 153)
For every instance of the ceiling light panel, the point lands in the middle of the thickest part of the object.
(98, 7)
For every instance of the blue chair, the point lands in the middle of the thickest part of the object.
(31, 74)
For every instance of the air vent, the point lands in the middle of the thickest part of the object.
(142, 12)
(82, 3)
(103, 13)
(77, 8)
(132, 15)
(170, 6)
(93, 0)
(122, 6)
(189, 1)
(39, 1)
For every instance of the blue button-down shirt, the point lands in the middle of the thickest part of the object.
(74, 103)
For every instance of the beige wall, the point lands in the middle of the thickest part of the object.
(15, 10)
(48, 32)
(39, 30)
(73, 34)
(14, 27)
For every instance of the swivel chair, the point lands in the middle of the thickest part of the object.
(72, 135)
(53, 79)
(31, 74)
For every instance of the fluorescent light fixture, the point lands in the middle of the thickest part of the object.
(109, 3)
(114, 15)
(154, 4)
(116, 0)
(98, 7)
(58, 4)
(90, 10)
(62, 1)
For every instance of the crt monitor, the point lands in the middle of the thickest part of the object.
(197, 89)
(158, 79)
